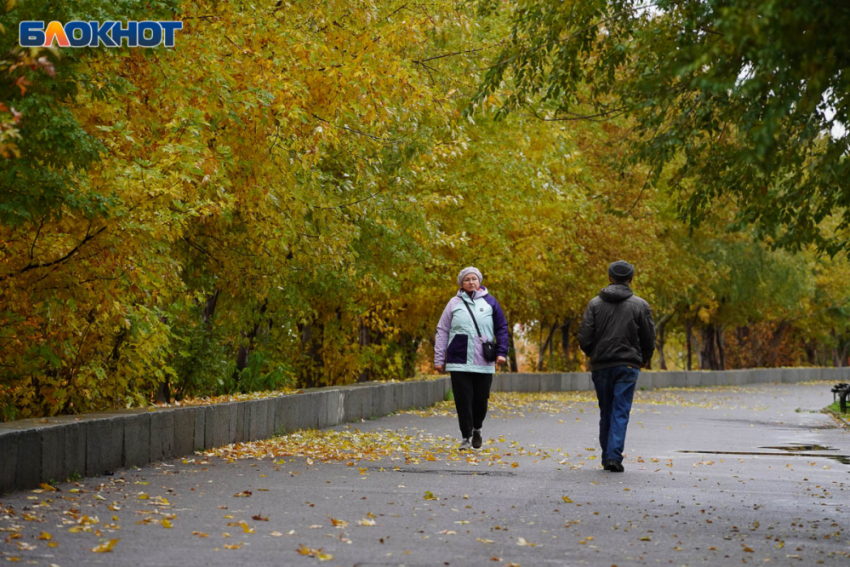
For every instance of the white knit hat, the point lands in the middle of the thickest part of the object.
(465, 272)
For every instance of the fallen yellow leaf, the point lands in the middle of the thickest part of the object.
(105, 547)
(339, 523)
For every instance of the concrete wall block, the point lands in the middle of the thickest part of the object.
(712, 378)
(397, 390)
(759, 376)
(567, 382)
(308, 407)
(75, 448)
(340, 404)
(9, 462)
(420, 394)
(379, 402)
(431, 393)
(53, 453)
(438, 391)
(233, 412)
(530, 382)
(242, 422)
(646, 380)
(104, 445)
(258, 417)
(407, 395)
(518, 383)
(678, 379)
(696, 379)
(583, 382)
(793, 375)
(184, 431)
(219, 420)
(550, 382)
(29, 459)
(392, 397)
(725, 378)
(505, 382)
(162, 435)
(426, 397)
(286, 414)
(367, 398)
(662, 380)
(271, 410)
(137, 440)
(321, 417)
(199, 440)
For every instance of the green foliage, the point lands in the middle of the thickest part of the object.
(736, 98)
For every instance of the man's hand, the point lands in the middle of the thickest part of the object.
(501, 360)
(441, 368)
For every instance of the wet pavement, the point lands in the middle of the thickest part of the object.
(714, 476)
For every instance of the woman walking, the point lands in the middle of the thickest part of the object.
(464, 346)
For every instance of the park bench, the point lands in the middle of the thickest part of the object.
(841, 390)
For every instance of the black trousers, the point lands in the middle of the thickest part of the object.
(471, 391)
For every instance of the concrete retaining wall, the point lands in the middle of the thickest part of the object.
(40, 450)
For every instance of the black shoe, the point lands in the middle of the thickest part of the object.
(476, 439)
(616, 466)
(608, 465)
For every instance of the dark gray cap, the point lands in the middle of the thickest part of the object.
(621, 271)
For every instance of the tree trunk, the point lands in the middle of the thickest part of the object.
(660, 327)
(311, 349)
(721, 348)
(363, 340)
(209, 307)
(774, 342)
(707, 356)
(659, 346)
(512, 352)
(544, 346)
(565, 338)
(688, 334)
(409, 346)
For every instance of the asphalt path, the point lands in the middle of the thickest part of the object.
(714, 476)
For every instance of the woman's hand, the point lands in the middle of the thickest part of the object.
(441, 368)
(501, 360)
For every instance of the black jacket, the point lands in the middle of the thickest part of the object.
(617, 329)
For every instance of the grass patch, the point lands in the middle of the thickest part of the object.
(835, 409)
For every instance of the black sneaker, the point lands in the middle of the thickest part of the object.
(476, 439)
(464, 445)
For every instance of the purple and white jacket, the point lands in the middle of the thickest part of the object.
(457, 345)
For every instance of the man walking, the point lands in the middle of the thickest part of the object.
(618, 334)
